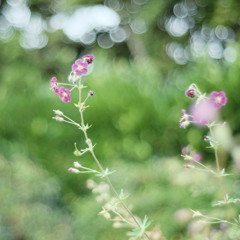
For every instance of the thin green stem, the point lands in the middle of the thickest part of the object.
(90, 169)
(71, 121)
(219, 220)
(85, 99)
(73, 88)
(206, 168)
(216, 152)
(122, 218)
(98, 163)
(87, 171)
(217, 161)
(67, 84)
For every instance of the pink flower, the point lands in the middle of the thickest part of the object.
(88, 58)
(80, 67)
(197, 156)
(54, 84)
(64, 94)
(219, 99)
(203, 112)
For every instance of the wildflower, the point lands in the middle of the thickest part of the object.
(91, 93)
(54, 84)
(88, 58)
(80, 67)
(190, 93)
(218, 99)
(203, 112)
(64, 94)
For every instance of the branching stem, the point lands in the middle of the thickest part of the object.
(99, 164)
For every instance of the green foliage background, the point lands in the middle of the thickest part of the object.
(134, 117)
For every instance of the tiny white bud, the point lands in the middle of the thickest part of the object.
(74, 170)
(77, 165)
(58, 118)
(58, 112)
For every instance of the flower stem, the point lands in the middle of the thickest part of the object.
(99, 164)
(216, 152)
(217, 163)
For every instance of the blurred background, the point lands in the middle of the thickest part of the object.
(147, 53)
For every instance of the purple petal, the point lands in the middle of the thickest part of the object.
(224, 101)
(204, 112)
(222, 94)
(85, 64)
(78, 62)
(74, 67)
(214, 94)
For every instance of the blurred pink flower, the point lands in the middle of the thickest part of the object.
(64, 94)
(203, 112)
(80, 67)
(54, 84)
(219, 99)
(188, 151)
(197, 156)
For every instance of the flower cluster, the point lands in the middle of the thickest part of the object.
(205, 109)
(62, 92)
(79, 68)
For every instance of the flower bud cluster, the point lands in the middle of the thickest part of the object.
(79, 68)
(84, 169)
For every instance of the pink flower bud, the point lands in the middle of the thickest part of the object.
(88, 58)
(190, 93)
(74, 170)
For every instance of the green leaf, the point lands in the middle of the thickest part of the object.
(121, 198)
(136, 233)
(227, 200)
